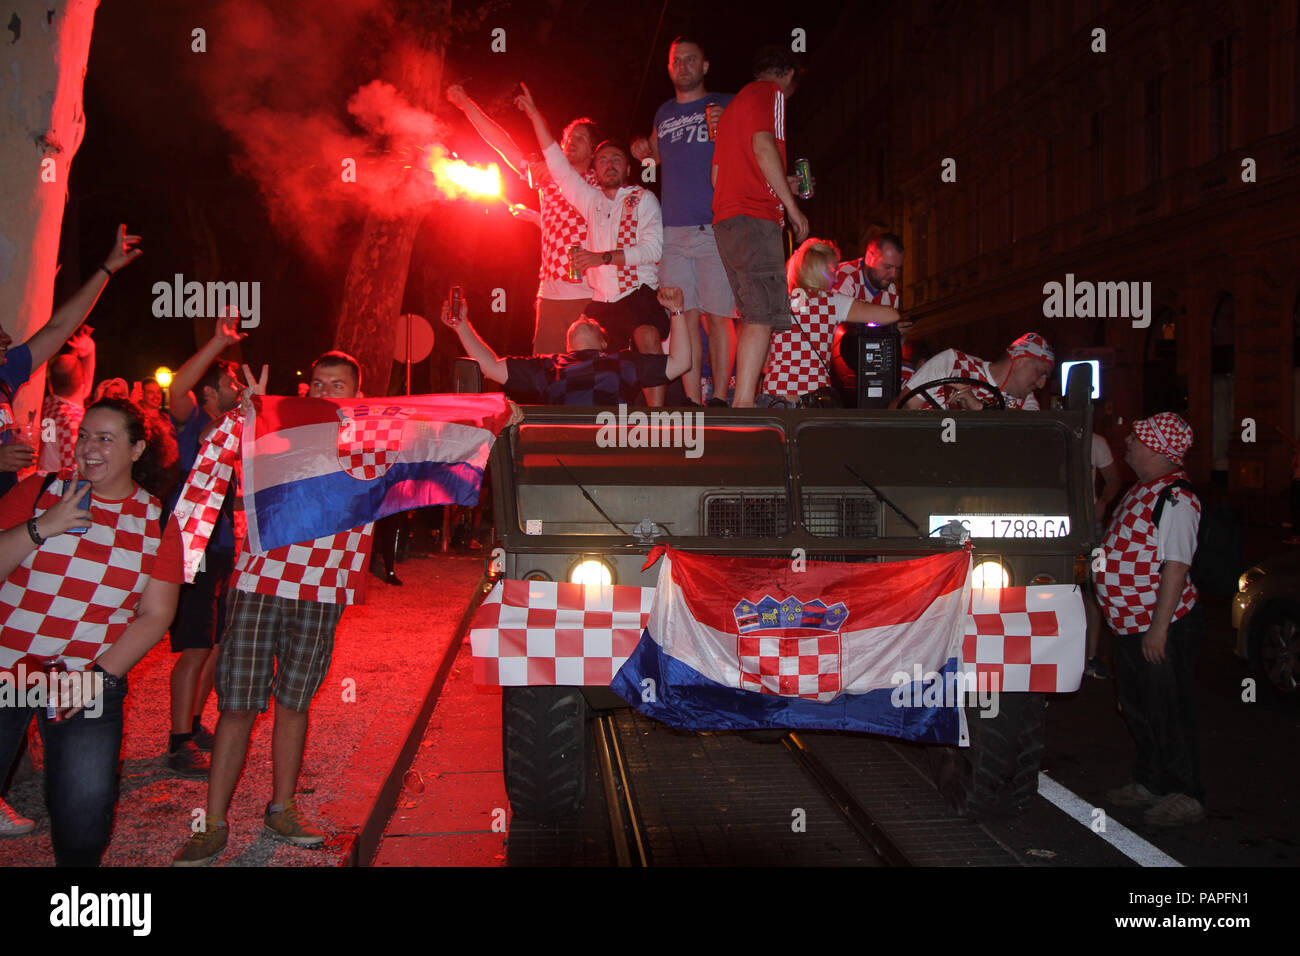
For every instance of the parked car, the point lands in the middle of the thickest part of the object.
(1266, 615)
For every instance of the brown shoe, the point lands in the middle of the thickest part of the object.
(288, 825)
(202, 847)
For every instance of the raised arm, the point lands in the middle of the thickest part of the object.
(180, 397)
(492, 132)
(50, 337)
(493, 366)
(679, 346)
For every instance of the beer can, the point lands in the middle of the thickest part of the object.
(712, 113)
(804, 171)
(52, 670)
(574, 274)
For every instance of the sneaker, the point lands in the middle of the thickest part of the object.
(188, 761)
(1175, 810)
(11, 824)
(203, 738)
(1097, 668)
(1132, 794)
(202, 847)
(288, 825)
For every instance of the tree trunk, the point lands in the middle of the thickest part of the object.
(377, 272)
(45, 52)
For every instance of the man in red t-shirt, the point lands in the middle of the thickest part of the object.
(751, 198)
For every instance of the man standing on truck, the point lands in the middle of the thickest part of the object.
(1022, 369)
(1151, 604)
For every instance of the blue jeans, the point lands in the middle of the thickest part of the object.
(81, 761)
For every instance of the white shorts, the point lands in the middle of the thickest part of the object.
(691, 262)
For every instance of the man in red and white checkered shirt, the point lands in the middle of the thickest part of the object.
(1151, 604)
(1021, 370)
(284, 609)
(63, 409)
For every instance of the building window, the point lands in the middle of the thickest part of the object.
(1220, 106)
(1153, 128)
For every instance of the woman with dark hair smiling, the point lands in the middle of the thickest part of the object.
(90, 581)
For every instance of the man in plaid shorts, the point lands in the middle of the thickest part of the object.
(284, 608)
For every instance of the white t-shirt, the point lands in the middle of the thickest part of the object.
(1101, 458)
(1176, 533)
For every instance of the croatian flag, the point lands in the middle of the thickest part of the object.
(314, 466)
(749, 643)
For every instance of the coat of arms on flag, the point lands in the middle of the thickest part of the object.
(370, 439)
(790, 648)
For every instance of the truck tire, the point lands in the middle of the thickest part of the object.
(544, 751)
(998, 773)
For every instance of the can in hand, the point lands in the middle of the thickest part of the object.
(52, 670)
(804, 171)
(574, 274)
(712, 113)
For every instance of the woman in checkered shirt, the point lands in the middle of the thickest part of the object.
(90, 583)
(797, 373)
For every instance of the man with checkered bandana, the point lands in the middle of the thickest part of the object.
(1021, 370)
(1151, 604)
(284, 609)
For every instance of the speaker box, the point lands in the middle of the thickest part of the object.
(877, 364)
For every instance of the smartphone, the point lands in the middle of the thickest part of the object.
(81, 485)
(454, 302)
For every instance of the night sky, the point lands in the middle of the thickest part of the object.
(196, 152)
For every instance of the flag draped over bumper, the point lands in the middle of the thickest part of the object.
(754, 643)
(313, 467)
(734, 652)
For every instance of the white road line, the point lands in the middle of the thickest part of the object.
(1116, 834)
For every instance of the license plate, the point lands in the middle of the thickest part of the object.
(1007, 526)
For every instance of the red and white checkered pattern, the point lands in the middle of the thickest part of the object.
(971, 366)
(199, 505)
(1129, 581)
(850, 281)
(547, 633)
(75, 595)
(627, 224)
(60, 454)
(330, 570)
(1165, 434)
(793, 366)
(562, 227)
(1025, 639)
(368, 447)
(806, 665)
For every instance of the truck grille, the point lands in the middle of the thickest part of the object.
(745, 516)
(841, 516)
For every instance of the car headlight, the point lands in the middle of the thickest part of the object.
(1248, 577)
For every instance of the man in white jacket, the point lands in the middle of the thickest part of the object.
(624, 243)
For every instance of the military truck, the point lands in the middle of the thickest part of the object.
(842, 485)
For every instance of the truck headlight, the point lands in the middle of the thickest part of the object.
(990, 574)
(592, 572)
